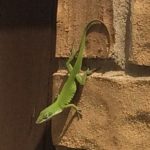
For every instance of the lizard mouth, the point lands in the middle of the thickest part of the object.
(46, 117)
(42, 119)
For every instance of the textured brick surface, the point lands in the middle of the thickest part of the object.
(72, 18)
(115, 106)
(140, 52)
(115, 110)
(120, 22)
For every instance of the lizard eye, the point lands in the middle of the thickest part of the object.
(46, 116)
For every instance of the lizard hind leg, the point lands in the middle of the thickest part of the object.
(81, 77)
(78, 111)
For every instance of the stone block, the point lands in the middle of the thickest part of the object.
(72, 17)
(140, 22)
(115, 109)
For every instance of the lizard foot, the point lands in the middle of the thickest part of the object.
(79, 114)
(78, 111)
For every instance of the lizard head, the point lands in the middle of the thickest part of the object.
(47, 114)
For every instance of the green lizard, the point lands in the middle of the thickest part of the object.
(69, 89)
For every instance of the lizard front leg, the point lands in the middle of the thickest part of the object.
(78, 111)
(68, 63)
(81, 77)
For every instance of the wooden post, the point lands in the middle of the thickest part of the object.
(25, 44)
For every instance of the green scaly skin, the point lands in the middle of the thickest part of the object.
(69, 89)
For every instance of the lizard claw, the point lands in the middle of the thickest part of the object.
(79, 114)
(90, 71)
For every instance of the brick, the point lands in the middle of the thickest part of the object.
(120, 16)
(115, 110)
(72, 17)
(140, 53)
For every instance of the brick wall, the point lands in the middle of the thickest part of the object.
(115, 101)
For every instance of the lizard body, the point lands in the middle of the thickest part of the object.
(69, 89)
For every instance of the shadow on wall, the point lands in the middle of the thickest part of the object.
(140, 116)
(67, 148)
